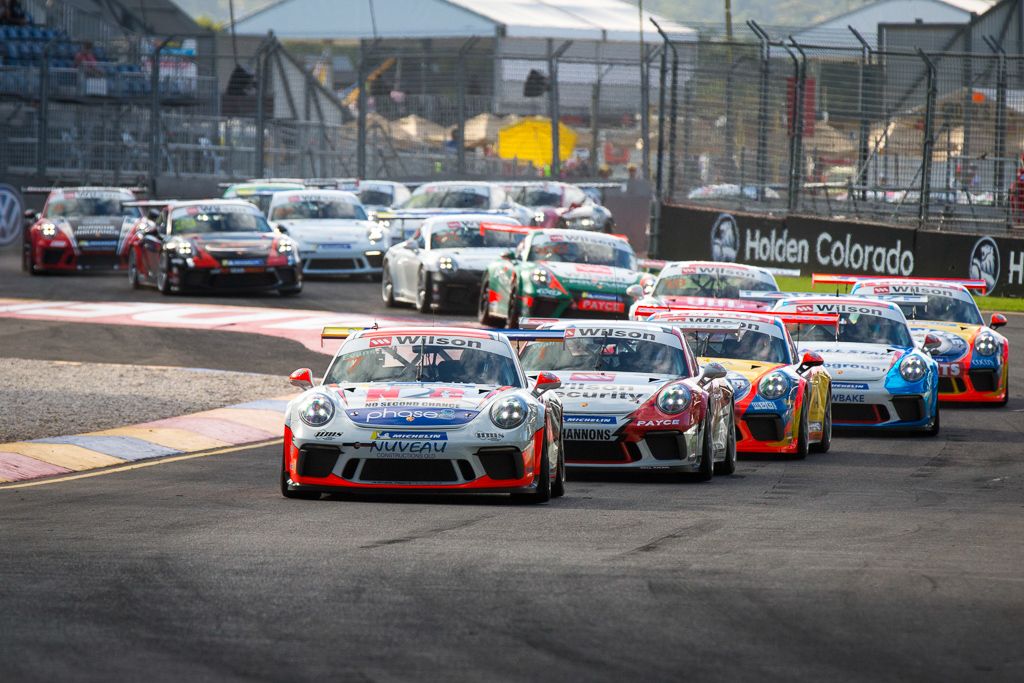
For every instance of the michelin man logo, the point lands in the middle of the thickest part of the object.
(12, 213)
(952, 347)
(725, 239)
(984, 263)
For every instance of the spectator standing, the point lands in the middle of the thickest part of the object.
(86, 60)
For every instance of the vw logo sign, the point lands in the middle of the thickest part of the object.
(725, 239)
(984, 264)
(12, 213)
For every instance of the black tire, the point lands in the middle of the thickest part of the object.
(133, 271)
(933, 430)
(375, 277)
(707, 458)
(1006, 397)
(290, 291)
(163, 280)
(482, 314)
(424, 292)
(543, 492)
(387, 287)
(512, 313)
(802, 435)
(728, 466)
(28, 261)
(558, 486)
(300, 495)
(825, 444)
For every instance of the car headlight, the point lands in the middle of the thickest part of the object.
(317, 410)
(48, 229)
(913, 368)
(539, 276)
(384, 224)
(586, 222)
(446, 264)
(509, 413)
(285, 247)
(674, 399)
(376, 234)
(183, 249)
(773, 386)
(986, 344)
(538, 218)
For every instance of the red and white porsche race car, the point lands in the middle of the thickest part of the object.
(412, 409)
(709, 284)
(635, 398)
(974, 359)
(80, 228)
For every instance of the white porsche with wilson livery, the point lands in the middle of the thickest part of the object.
(635, 397)
(881, 379)
(708, 284)
(425, 409)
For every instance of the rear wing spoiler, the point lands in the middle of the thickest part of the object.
(786, 317)
(502, 227)
(342, 331)
(36, 189)
(144, 203)
(842, 279)
(536, 323)
(905, 299)
(522, 335)
(651, 265)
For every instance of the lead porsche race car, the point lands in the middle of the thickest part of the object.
(333, 233)
(561, 273)
(212, 244)
(880, 378)
(442, 264)
(710, 284)
(783, 398)
(635, 398)
(442, 409)
(80, 228)
(974, 359)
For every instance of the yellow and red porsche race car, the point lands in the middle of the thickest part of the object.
(783, 398)
(974, 359)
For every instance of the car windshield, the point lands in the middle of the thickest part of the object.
(605, 354)
(710, 285)
(211, 219)
(458, 236)
(449, 198)
(859, 328)
(601, 253)
(375, 198)
(413, 362)
(535, 196)
(79, 206)
(312, 208)
(945, 308)
(738, 344)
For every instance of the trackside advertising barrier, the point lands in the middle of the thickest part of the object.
(840, 246)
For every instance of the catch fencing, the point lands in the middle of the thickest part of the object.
(764, 123)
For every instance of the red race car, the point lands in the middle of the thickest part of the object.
(80, 228)
(223, 244)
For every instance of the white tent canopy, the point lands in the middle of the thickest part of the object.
(613, 20)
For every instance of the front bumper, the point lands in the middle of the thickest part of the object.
(875, 408)
(482, 468)
(342, 262)
(266, 278)
(539, 306)
(961, 383)
(674, 450)
(763, 432)
(456, 288)
(59, 255)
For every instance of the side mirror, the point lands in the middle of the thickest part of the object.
(31, 214)
(635, 291)
(998, 320)
(283, 230)
(711, 372)
(153, 214)
(509, 255)
(302, 378)
(931, 343)
(546, 381)
(809, 360)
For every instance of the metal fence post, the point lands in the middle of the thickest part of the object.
(261, 114)
(929, 139)
(1000, 123)
(762, 109)
(673, 111)
(553, 113)
(43, 124)
(361, 103)
(795, 130)
(662, 77)
(154, 116)
(460, 128)
(864, 132)
(645, 114)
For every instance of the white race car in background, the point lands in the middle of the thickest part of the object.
(710, 284)
(424, 409)
(443, 263)
(381, 195)
(332, 231)
(449, 197)
(635, 398)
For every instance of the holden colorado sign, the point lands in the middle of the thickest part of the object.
(837, 251)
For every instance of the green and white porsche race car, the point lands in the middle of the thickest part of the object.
(561, 274)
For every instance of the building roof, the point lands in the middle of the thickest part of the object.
(564, 19)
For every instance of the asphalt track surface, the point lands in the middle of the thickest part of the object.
(896, 558)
